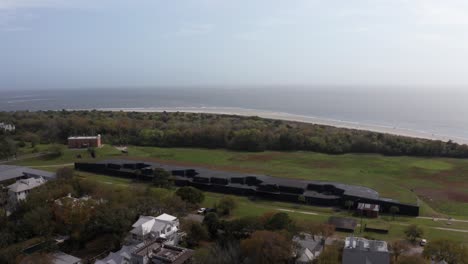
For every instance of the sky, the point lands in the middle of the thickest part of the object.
(69, 44)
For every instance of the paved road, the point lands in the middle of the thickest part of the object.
(443, 219)
(53, 165)
(403, 224)
(23, 157)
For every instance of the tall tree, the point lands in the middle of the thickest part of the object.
(398, 247)
(266, 247)
(162, 178)
(226, 205)
(413, 232)
(190, 195)
(450, 251)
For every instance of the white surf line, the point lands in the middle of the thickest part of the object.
(293, 211)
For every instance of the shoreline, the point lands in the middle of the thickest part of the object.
(296, 118)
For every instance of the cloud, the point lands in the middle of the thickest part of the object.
(191, 30)
(21, 4)
(15, 14)
(12, 21)
(442, 12)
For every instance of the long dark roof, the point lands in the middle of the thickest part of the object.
(352, 190)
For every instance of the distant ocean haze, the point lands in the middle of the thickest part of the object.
(429, 112)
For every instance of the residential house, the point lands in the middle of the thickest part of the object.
(7, 127)
(62, 258)
(20, 189)
(152, 241)
(9, 173)
(309, 248)
(360, 250)
(164, 226)
(149, 252)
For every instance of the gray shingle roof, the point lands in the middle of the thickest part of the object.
(8, 172)
(62, 258)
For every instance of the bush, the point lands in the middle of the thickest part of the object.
(226, 205)
(413, 232)
(190, 195)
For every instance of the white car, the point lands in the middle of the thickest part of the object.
(201, 211)
(423, 242)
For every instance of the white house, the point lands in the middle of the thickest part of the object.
(7, 127)
(19, 190)
(144, 245)
(164, 226)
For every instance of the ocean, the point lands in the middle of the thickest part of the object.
(431, 112)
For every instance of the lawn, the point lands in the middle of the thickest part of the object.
(439, 185)
(246, 207)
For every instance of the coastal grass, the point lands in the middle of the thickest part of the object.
(438, 185)
(254, 208)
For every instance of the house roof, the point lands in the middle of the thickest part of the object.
(360, 250)
(166, 217)
(62, 258)
(354, 256)
(343, 223)
(143, 219)
(120, 257)
(310, 248)
(88, 137)
(308, 242)
(147, 224)
(8, 172)
(26, 184)
(352, 190)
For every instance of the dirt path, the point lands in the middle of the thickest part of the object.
(293, 211)
(443, 219)
(23, 157)
(398, 223)
(451, 229)
(53, 165)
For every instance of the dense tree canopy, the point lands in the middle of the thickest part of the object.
(210, 131)
(265, 247)
(190, 195)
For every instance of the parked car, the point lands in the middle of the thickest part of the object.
(423, 242)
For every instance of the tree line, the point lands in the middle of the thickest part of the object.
(213, 131)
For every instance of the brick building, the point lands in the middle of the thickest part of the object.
(85, 142)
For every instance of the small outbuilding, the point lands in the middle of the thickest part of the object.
(343, 224)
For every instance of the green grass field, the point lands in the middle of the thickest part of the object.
(440, 185)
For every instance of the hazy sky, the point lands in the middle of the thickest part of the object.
(99, 43)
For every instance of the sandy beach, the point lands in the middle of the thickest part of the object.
(298, 118)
